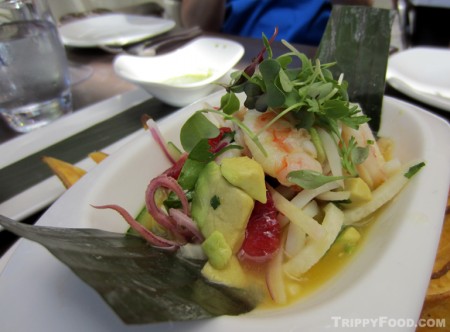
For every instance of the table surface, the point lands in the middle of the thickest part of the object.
(104, 84)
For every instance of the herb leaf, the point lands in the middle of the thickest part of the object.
(414, 169)
(229, 103)
(196, 128)
(308, 179)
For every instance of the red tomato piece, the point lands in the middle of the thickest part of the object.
(214, 143)
(263, 233)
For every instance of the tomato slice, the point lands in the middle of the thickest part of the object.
(263, 233)
(215, 143)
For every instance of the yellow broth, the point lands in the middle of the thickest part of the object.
(328, 267)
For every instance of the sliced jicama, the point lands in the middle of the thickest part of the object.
(295, 240)
(297, 216)
(306, 195)
(314, 249)
(332, 153)
(380, 196)
(275, 280)
(312, 209)
(334, 196)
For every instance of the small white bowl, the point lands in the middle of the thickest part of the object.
(185, 75)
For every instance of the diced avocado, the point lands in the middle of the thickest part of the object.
(247, 174)
(217, 250)
(219, 206)
(359, 190)
(232, 275)
(347, 240)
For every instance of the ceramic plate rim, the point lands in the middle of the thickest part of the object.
(82, 24)
(398, 78)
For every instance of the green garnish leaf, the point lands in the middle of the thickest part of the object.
(414, 169)
(270, 70)
(189, 173)
(229, 103)
(196, 128)
(202, 151)
(359, 154)
(308, 179)
(140, 283)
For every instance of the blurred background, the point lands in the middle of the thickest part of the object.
(419, 22)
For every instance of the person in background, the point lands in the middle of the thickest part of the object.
(298, 21)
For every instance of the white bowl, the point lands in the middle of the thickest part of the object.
(185, 75)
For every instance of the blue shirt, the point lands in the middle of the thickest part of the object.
(298, 21)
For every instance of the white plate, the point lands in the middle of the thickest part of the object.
(422, 73)
(387, 280)
(208, 58)
(44, 193)
(112, 29)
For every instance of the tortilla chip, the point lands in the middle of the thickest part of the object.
(437, 301)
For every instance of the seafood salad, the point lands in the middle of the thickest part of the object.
(283, 174)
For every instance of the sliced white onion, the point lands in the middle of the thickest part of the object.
(307, 195)
(334, 196)
(296, 215)
(314, 249)
(311, 209)
(295, 240)
(275, 280)
(332, 152)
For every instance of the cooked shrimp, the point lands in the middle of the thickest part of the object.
(372, 169)
(288, 149)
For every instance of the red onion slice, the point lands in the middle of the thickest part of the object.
(185, 222)
(154, 240)
(158, 137)
(160, 216)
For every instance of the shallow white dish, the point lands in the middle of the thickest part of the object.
(388, 278)
(422, 73)
(204, 61)
(112, 29)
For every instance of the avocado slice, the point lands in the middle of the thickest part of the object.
(232, 275)
(217, 250)
(347, 241)
(359, 190)
(219, 206)
(247, 174)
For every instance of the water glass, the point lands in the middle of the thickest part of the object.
(34, 73)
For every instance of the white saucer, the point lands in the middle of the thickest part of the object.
(422, 73)
(112, 29)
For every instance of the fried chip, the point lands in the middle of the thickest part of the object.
(437, 301)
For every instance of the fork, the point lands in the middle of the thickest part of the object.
(150, 47)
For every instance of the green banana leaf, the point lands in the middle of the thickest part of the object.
(140, 283)
(358, 39)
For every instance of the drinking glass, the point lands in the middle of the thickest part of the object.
(34, 73)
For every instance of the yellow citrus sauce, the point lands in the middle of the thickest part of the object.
(328, 267)
(187, 79)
